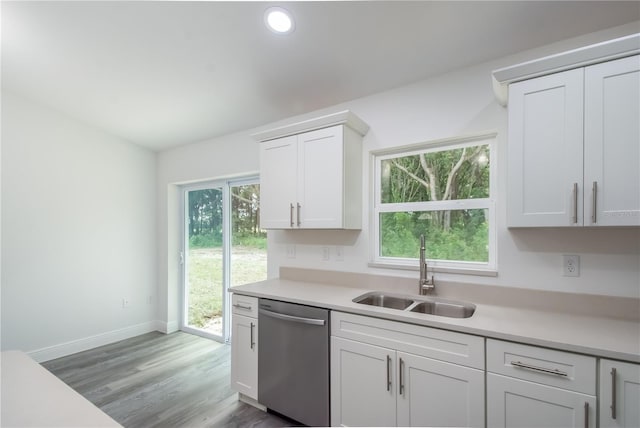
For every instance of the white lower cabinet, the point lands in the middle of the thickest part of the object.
(529, 386)
(518, 403)
(244, 346)
(619, 394)
(435, 393)
(361, 380)
(386, 373)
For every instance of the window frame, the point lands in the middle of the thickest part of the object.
(488, 268)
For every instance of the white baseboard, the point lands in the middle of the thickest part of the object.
(251, 402)
(167, 327)
(68, 348)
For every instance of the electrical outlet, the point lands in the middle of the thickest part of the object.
(571, 265)
(339, 251)
(125, 303)
(326, 253)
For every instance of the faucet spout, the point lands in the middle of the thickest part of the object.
(425, 284)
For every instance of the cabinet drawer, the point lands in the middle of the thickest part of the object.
(244, 305)
(545, 366)
(449, 346)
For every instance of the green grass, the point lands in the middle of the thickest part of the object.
(212, 240)
(249, 264)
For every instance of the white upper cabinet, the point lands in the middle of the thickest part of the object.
(322, 196)
(574, 147)
(278, 185)
(545, 151)
(313, 180)
(612, 142)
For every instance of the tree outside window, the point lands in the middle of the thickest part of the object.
(441, 192)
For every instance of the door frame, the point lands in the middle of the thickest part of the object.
(225, 184)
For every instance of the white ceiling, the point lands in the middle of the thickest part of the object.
(162, 74)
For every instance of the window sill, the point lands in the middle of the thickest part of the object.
(437, 269)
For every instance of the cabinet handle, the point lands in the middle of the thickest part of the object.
(586, 414)
(298, 216)
(613, 393)
(239, 306)
(594, 202)
(538, 369)
(251, 339)
(575, 203)
(291, 214)
(401, 376)
(388, 373)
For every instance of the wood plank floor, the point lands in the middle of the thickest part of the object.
(158, 380)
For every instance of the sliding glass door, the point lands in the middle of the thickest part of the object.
(223, 246)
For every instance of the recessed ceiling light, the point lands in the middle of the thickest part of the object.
(278, 20)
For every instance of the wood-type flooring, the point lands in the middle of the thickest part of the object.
(158, 380)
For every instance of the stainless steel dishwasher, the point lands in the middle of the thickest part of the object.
(293, 361)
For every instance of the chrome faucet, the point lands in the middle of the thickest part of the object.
(424, 284)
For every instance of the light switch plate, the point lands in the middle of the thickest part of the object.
(291, 251)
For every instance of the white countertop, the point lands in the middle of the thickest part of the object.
(34, 397)
(599, 336)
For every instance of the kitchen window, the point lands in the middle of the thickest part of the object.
(444, 190)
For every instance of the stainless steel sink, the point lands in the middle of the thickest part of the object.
(419, 304)
(384, 300)
(445, 309)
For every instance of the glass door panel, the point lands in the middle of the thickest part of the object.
(249, 242)
(204, 279)
(224, 246)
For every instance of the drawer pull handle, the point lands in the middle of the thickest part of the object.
(239, 306)
(539, 369)
(613, 393)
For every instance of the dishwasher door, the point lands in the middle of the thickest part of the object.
(293, 361)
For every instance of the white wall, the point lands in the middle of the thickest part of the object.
(457, 103)
(79, 233)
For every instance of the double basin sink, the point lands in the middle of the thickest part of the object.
(423, 305)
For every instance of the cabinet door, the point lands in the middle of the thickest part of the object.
(622, 381)
(320, 178)
(545, 151)
(244, 355)
(518, 403)
(612, 143)
(278, 177)
(363, 389)
(433, 393)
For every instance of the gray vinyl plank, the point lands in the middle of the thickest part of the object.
(158, 380)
